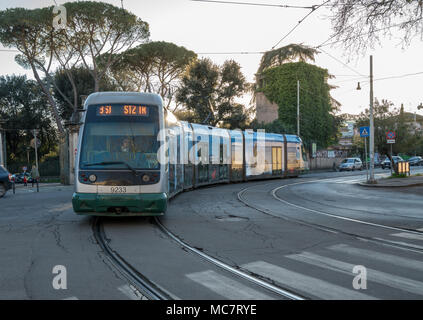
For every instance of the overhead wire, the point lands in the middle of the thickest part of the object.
(314, 8)
(255, 4)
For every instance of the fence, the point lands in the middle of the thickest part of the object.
(50, 167)
(325, 159)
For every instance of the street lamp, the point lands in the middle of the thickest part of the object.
(372, 129)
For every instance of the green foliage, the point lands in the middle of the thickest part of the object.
(398, 175)
(24, 106)
(276, 126)
(387, 118)
(318, 122)
(97, 28)
(84, 86)
(152, 67)
(31, 32)
(285, 54)
(209, 92)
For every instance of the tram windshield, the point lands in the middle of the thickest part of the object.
(115, 138)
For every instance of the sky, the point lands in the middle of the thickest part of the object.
(207, 28)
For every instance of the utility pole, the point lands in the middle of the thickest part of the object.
(298, 107)
(372, 129)
(36, 147)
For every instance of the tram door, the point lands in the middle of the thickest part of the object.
(276, 160)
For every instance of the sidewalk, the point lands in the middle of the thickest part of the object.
(396, 182)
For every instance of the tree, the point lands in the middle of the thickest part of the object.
(68, 93)
(24, 107)
(210, 91)
(318, 120)
(289, 53)
(360, 24)
(152, 67)
(96, 28)
(32, 34)
(387, 118)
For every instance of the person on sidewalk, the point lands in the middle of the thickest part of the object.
(35, 174)
(24, 177)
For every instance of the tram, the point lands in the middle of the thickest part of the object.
(133, 155)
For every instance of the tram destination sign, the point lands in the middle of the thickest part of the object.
(122, 110)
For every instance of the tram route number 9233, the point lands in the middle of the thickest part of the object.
(118, 189)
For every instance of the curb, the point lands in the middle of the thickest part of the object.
(363, 184)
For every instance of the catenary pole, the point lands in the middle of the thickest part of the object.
(372, 130)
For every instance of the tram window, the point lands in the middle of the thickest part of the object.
(134, 143)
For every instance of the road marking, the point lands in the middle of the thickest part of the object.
(383, 278)
(226, 287)
(309, 285)
(407, 244)
(408, 235)
(379, 256)
(351, 181)
(129, 292)
(71, 298)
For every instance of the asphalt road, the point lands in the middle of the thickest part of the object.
(305, 235)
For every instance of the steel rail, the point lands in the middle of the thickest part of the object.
(138, 280)
(330, 229)
(244, 274)
(274, 191)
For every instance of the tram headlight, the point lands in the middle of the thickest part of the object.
(146, 178)
(92, 178)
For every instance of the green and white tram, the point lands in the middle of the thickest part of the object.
(133, 155)
(117, 168)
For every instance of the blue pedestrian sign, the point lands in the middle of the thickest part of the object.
(364, 132)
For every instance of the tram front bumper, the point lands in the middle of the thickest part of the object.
(148, 204)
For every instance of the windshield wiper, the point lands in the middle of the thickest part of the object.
(112, 162)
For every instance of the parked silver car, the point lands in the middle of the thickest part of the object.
(416, 161)
(351, 164)
(387, 163)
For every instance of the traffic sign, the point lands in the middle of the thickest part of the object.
(390, 135)
(364, 132)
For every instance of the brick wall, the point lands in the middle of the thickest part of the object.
(266, 111)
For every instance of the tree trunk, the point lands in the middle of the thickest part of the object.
(50, 100)
(96, 85)
(393, 164)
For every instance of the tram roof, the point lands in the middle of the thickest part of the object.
(124, 97)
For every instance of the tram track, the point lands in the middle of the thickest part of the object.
(132, 275)
(151, 290)
(279, 215)
(237, 271)
(154, 292)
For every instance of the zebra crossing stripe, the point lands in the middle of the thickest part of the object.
(383, 278)
(307, 284)
(379, 256)
(226, 287)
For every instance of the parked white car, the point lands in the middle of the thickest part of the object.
(351, 164)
